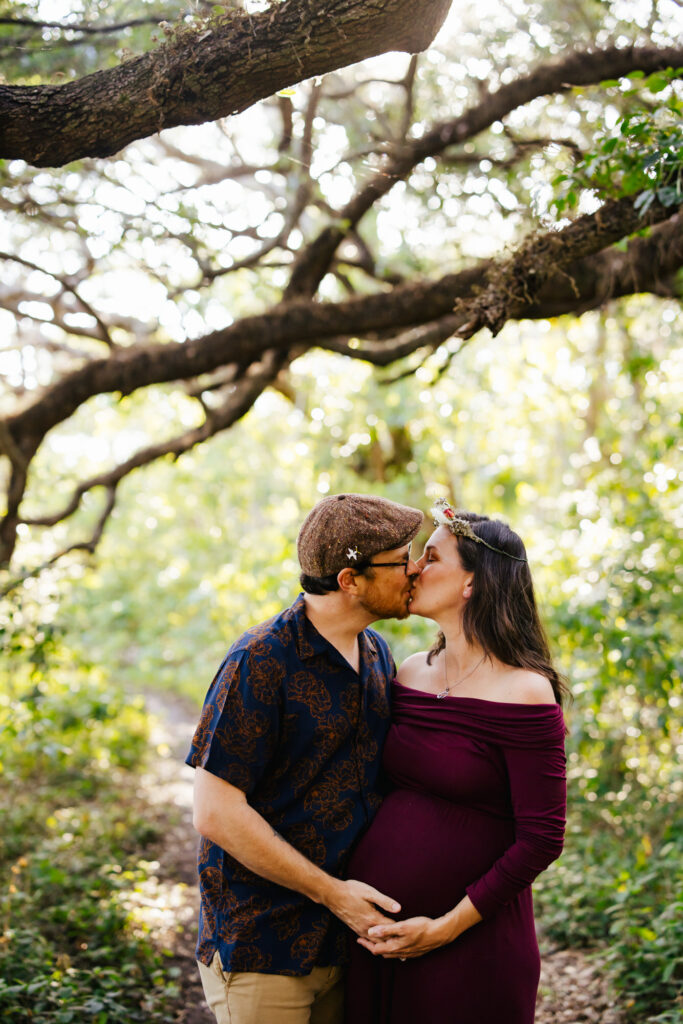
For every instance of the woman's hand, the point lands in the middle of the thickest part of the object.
(404, 939)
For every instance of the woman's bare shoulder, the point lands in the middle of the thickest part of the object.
(527, 687)
(413, 669)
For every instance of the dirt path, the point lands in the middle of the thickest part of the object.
(572, 990)
(169, 781)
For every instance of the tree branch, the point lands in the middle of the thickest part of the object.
(520, 148)
(517, 286)
(214, 172)
(539, 281)
(83, 545)
(205, 75)
(67, 287)
(83, 27)
(240, 399)
(388, 351)
(575, 69)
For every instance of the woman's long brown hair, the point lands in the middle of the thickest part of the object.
(501, 613)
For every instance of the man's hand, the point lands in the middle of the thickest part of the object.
(223, 815)
(356, 903)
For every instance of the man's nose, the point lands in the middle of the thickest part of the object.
(413, 568)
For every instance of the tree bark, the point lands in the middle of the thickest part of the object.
(201, 75)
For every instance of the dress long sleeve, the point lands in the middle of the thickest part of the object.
(538, 796)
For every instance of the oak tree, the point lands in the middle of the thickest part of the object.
(381, 211)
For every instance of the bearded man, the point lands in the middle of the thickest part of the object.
(287, 753)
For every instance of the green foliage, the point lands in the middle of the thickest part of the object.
(643, 156)
(73, 833)
(617, 620)
(617, 889)
(60, 723)
(68, 949)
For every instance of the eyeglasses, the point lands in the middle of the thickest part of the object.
(386, 565)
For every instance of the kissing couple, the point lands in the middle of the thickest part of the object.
(369, 835)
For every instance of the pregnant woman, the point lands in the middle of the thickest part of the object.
(475, 761)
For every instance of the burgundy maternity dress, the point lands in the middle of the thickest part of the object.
(477, 806)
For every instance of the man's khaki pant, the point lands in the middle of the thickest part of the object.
(243, 997)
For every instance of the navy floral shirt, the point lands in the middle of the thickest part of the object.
(288, 721)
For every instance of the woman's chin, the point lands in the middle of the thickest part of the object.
(417, 607)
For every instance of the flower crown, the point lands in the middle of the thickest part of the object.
(444, 515)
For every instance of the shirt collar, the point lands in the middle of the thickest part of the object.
(310, 642)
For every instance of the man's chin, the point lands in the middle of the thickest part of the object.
(401, 611)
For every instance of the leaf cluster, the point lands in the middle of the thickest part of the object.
(642, 156)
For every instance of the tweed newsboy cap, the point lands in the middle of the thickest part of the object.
(348, 529)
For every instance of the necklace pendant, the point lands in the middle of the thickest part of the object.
(444, 693)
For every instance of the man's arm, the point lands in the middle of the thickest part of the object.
(223, 815)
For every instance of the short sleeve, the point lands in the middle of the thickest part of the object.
(239, 726)
(538, 793)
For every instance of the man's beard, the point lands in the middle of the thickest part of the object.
(388, 607)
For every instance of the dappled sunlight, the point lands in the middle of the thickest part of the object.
(170, 783)
(154, 907)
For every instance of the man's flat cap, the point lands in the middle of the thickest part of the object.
(348, 529)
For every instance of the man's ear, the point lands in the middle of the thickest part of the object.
(347, 580)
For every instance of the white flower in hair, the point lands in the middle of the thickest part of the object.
(444, 515)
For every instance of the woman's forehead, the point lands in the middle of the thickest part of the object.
(441, 540)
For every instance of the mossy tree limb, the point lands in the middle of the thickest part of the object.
(545, 278)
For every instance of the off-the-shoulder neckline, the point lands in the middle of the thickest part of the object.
(477, 700)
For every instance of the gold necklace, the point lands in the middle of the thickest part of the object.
(452, 686)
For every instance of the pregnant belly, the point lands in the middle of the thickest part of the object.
(423, 851)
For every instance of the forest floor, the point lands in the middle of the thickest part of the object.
(572, 989)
